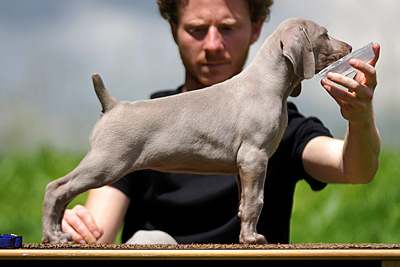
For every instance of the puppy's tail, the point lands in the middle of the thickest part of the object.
(107, 101)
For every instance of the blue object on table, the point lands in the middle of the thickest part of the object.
(10, 241)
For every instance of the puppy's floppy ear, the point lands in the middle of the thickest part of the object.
(296, 91)
(297, 48)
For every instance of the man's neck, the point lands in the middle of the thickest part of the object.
(190, 86)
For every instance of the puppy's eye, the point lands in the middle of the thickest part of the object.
(325, 36)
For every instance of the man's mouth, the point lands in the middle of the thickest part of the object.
(213, 65)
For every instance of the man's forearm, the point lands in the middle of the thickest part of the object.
(361, 151)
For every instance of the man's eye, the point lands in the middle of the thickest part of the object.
(197, 30)
(226, 28)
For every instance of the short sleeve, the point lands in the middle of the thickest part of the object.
(131, 184)
(302, 130)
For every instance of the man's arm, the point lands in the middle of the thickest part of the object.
(356, 158)
(100, 219)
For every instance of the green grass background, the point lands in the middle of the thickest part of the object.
(339, 213)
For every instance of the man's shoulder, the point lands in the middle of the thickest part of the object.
(301, 129)
(292, 109)
(165, 93)
(294, 113)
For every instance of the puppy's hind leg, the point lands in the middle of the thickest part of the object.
(94, 171)
(252, 171)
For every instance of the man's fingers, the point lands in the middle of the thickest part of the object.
(89, 221)
(377, 48)
(67, 228)
(341, 96)
(334, 94)
(81, 225)
(356, 91)
(367, 70)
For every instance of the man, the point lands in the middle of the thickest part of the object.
(214, 37)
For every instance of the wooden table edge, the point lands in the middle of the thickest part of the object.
(205, 254)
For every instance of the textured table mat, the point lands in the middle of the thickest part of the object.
(215, 246)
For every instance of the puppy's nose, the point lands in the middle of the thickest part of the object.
(349, 47)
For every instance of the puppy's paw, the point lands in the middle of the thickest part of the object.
(260, 239)
(57, 238)
(252, 239)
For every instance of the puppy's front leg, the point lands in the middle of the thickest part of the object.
(252, 171)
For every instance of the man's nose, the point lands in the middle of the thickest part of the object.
(214, 40)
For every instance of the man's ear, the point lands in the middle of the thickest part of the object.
(297, 48)
(256, 30)
(174, 30)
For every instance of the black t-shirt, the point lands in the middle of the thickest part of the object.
(196, 208)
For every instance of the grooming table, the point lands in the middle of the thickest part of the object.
(387, 253)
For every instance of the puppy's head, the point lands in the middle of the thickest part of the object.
(309, 47)
(326, 49)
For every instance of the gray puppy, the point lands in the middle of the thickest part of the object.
(232, 127)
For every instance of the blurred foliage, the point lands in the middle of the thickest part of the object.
(339, 213)
(351, 213)
(23, 180)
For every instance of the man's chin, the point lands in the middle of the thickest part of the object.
(208, 81)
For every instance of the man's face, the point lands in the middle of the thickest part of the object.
(214, 37)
